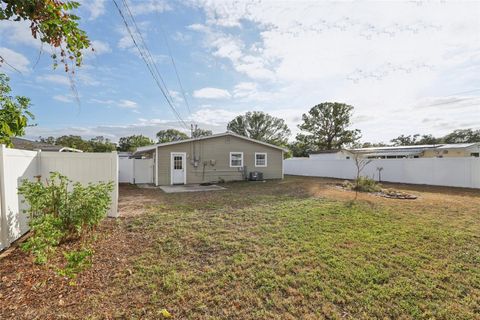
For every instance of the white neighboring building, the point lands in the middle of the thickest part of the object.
(338, 154)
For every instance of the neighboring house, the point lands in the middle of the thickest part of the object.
(455, 150)
(24, 144)
(337, 154)
(225, 156)
(421, 151)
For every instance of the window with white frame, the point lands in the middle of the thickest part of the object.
(236, 159)
(260, 159)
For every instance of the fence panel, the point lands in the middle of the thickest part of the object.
(125, 170)
(17, 165)
(136, 170)
(143, 170)
(454, 172)
(84, 168)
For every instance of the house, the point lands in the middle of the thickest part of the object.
(25, 144)
(336, 154)
(455, 150)
(421, 151)
(219, 157)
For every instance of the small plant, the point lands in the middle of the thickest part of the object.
(77, 261)
(60, 210)
(365, 184)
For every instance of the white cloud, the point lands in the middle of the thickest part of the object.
(127, 104)
(121, 103)
(100, 47)
(63, 98)
(13, 60)
(96, 8)
(211, 93)
(100, 101)
(214, 116)
(55, 78)
(379, 57)
(149, 6)
(18, 32)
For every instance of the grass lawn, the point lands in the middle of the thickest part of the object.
(292, 249)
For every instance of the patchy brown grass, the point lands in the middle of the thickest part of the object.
(292, 249)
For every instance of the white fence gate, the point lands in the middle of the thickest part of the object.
(454, 172)
(136, 170)
(17, 165)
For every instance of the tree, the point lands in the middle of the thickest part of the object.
(429, 139)
(463, 136)
(51, 22)
(373, 145)
(301, 147)
(47, 140)
(327, 124)
(75, 142)
(404, 140)
(261, 126)
(97, 144)
(14, 114)
(131, 143)
(170, 135)
(360, 164)
(101, 144)
(198, 132)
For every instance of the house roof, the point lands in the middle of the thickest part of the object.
(411, 150)
(228, 133)
(25, 144)
(326, 151)
(458, 145)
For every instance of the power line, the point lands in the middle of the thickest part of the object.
(176, 72)
(150, 63)
(143, 42)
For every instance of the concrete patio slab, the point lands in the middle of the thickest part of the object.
(190, 188)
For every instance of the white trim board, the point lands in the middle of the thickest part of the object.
(152, 147)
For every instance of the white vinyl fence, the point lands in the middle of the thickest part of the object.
(136, 170)
(17, 165)
(454, 172)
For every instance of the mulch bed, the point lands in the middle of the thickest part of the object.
(32, 291)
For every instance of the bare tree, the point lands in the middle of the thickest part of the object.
(360, 164)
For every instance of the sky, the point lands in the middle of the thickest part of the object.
(406, 67)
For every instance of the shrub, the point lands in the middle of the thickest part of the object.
(77, 261)
(60, 210)
(47, 234)
(365, 184)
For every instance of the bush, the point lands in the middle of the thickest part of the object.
(77, 261)
(60, 210)
(365, 184)
(47, 234)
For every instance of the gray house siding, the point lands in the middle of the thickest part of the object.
(218, 150)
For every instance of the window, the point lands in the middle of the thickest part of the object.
(475, 154)
(177, 162)
(260, 159)
(236, 159)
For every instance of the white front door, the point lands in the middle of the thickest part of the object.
(178, 168)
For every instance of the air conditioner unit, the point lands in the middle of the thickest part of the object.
(256, 176)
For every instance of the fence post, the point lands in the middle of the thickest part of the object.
(114, 174)
(3, 210)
